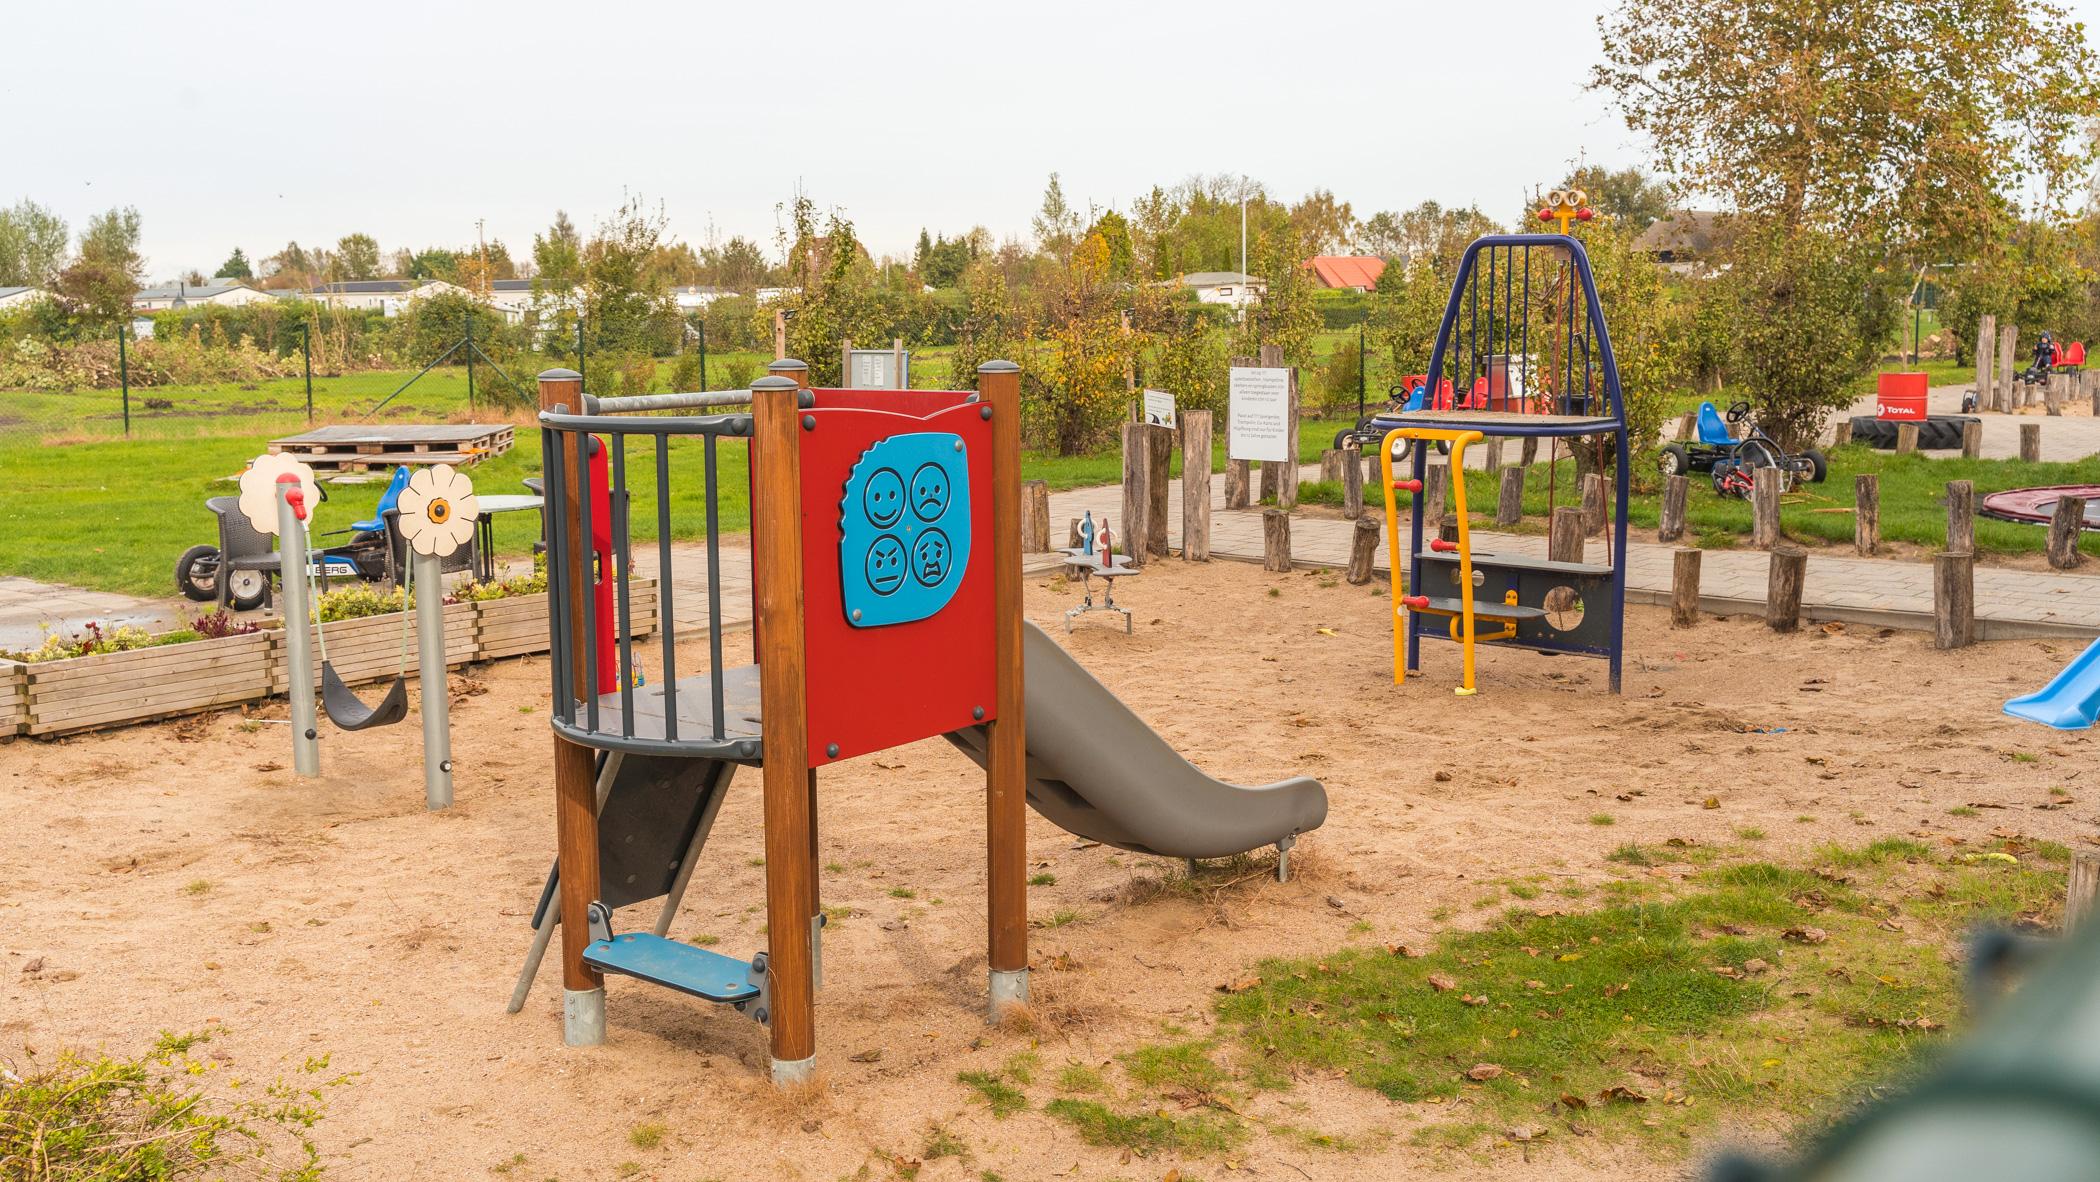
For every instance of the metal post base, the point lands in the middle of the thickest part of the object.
(583, 1017)
(1009, 990)
(1283, 858)
(789, 1072)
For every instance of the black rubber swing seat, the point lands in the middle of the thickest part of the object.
(348, 712)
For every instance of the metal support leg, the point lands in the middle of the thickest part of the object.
(1283, 858)
(298, 634)
(550, 916)
(436, 687)
(1009, 991)
(719, 789)
(583, 1017)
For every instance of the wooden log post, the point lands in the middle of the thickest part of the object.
(1972, 439)
(1276, 541)
(1986, 340)
(2053, 394)
(1491, 455)
(1072, 539)
(1789, 571)
(1564, 535)
(1137, 492)
(1363, 550)
(1529, 453)
(1684, 586)
(1195, 485)
(2066, 525)
(1688, 426)
(1961, 516)
(1866, 514)
(1158, 468)
(1006, 740)
(1593, 508)
(2031, 443)
(1433, 490)
(1677, 492)
(1035, 516)
(575, 765)
(1509, 499)
(2082, 890)
(1352, 482)
(2093, 388)
(1764, 508)
(1330, 465)
(1953, 600)
(1841, 434)
(2007, 369)
(776, 568)
(1906, 438)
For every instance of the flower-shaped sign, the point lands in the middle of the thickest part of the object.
(259, 488)
(438, 510)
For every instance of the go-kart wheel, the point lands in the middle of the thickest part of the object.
(1674, 460)
(246, 589)
(1818, 465)
(1342, 438)
(1721, 471)
(197, 574)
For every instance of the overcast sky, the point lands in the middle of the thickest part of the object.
(253, 123)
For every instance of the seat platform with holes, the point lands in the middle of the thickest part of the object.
(885, 576)
(1524, 330)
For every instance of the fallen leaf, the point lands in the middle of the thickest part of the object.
(1402, 950)
(871, 1055)
(1621, 1094)
(1441, 983)
(1482, 1072)
(1757, 964)
(1805, 935)
(1574, 1101)
(1239, 985)
(1524, 1133)
(1471, 1000)
(1711, 802)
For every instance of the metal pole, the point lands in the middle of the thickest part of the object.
(306, 348)
(298, 638)
(429, 577)
(703, 350)
(1360, 373)
(124, 376)
(579, 346)
(470, 362)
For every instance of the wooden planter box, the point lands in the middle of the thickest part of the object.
(369, 649)
(110, 689)
(14, 698)
(516, 627)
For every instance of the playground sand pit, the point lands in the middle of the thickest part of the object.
(177, 877)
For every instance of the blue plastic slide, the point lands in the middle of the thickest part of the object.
(2070, 700)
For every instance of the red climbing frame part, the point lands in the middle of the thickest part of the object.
(602, 574)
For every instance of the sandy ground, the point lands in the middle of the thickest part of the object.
(178, 877)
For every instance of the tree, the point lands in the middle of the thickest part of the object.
(1324, 225)
(2030, 276)
(434, 262)
(920, 253)
(1056, 223)
(627, 303)
(32, 244)
(1911, 123)
(1114, 231)
(357, 256)
(557, 255)
(947, 258)
(236, 266)
(291, 267)
(98, 286)
(738, 264)
(1629, 196)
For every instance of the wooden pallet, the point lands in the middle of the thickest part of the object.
(344, 448)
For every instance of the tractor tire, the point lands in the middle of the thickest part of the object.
(1935, 433)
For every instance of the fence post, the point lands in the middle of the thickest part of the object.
(582, 374)
(306, 351)
(470, 362)
(124, 377)
(703, 349)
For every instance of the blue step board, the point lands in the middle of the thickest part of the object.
(707, 975)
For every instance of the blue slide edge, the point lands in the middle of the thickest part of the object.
(2071, 699)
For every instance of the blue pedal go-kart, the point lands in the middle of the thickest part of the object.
(1732, 461)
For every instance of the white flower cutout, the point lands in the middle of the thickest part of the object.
(438, 509)
(259, 489)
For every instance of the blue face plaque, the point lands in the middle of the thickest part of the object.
(906, 542)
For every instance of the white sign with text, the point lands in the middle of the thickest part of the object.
(1259, 402)
(1159, 408)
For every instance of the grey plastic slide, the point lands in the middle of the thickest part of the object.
(1096, 769)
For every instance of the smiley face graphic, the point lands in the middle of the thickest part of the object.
(886, 564)
(883, 501)
(929, 492)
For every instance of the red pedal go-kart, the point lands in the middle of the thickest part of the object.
(1733, 461)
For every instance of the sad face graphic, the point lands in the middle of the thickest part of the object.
(929, 492)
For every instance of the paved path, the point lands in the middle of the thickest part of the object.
(2009, 603)
(29, 609)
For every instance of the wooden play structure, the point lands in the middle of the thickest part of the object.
(886, 572)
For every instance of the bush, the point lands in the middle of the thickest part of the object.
(1341, 309)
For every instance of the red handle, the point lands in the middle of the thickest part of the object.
(1415, 602)
(1441, 546)
(1408, 485)
(294, 496)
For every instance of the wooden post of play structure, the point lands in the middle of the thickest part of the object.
(1564, 535)
(1195, 485)
(2008, 352)
(1035, 516)
(1006, 753)
(1684, 586)
(1953, 600)
(1841, 434)
(1363, 550)
(1161, 462)
(812, 903)
(2031, 443)
(2065, 526)
(1866, 514)
(575, 765)
(1509, 499)
(1352, 482)
(1961, 516)
(1783, 588)
(1972, 439)
(1276, 541)
(1906, 438)
(1593, 508)
(2082, 890)
(1764, 508)
(1986, 338)
(776, 576)
(1137, 492)
(1677, 490)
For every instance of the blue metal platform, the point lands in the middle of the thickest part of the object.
(706, 975)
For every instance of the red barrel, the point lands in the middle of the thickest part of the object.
(1900, 397)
